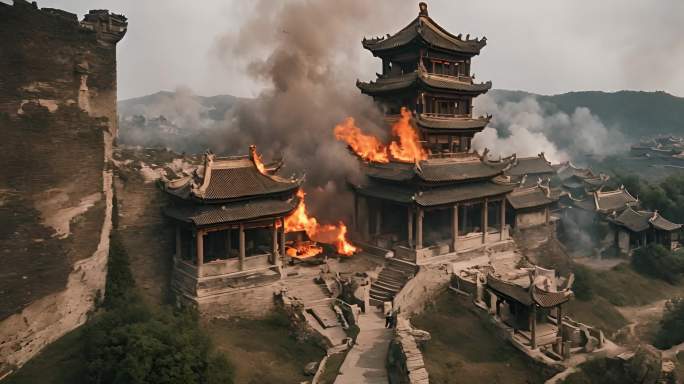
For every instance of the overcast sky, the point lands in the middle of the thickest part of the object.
(539, 46)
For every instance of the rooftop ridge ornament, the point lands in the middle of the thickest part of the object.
(422, 9)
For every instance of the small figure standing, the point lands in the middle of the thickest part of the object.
(388, 319)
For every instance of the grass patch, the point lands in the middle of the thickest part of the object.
(622, 286)
(597, 312)
(263, 350)
(465, 349)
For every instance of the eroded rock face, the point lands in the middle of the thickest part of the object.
(57, 119)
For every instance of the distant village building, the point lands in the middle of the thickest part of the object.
(635, 228)
(529, 170)
(229, 225)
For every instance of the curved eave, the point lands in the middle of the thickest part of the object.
(446, 123)
(428, 82)
(424, 31)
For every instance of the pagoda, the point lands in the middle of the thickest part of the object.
(452, 199)
(428, 70)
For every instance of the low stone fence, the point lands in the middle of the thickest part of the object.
(405, 360)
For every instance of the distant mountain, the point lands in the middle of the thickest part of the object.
(635, 113)
(215, 107)
(184, 121)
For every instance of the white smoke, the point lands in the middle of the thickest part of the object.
(526, 128)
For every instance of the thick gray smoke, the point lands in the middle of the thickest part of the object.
(526, 128)
(310, 72)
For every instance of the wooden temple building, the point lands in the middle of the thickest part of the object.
(455, 199)
(229, 225)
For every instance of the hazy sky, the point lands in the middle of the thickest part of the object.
(540, 46)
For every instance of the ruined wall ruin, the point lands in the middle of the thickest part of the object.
(57, 120)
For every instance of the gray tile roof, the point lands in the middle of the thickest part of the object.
(448, 123)
(633, 220)
(529, 197)
(230, 179)
(434, 196)
(662, 223)
(426, 30)
(201, 215)
(436, 170)
(422, 79)
(613, 200)
(531, 166)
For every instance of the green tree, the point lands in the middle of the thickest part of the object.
(656, 261)
(671, 330)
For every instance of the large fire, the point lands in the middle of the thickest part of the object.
(300, 220)
(370, 148)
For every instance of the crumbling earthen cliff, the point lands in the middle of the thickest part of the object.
(57, 120)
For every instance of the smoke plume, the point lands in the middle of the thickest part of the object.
(309, 72)
(526, 128)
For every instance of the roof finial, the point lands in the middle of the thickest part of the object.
(422, 6)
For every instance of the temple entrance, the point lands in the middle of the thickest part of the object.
(470, 219)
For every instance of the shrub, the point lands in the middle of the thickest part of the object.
(671, 331)
(656, 261)
(584, 281)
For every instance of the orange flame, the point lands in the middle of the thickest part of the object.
(300, 220)
(370, 148)
(367, 147)
(304, 250)
(256, 158)
(409, 147)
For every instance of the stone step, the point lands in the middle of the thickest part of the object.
(388, 284)
(375, 302)
(380, 287)
(404, 266)
(392, 275)
(381, 295)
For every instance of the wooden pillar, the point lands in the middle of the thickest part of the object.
(465, 217)
(548, 214)
(419, 229)
(503, 218)
(410, 226)
(533, 326)
(454, 227)
(282, 239)
(274, 243)
(242, 247)
(559, 321)
(485, 217)
(229, 242)
(199, 238)
(179, 248)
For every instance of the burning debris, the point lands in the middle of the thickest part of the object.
(300, 220)
(370, 148)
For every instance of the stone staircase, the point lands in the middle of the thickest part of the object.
(391, 280)
(318, 309)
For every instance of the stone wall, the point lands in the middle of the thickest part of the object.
(57, 117)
